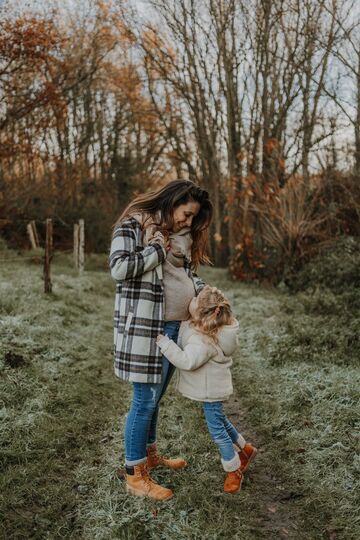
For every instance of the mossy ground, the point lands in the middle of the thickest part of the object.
(62, 414)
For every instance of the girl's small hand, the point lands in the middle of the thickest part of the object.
(160, 336)
(158, 238)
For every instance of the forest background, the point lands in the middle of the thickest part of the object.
(256, 100)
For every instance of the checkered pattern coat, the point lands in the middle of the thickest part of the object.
(139, 302)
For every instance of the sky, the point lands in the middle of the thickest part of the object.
(65, 5)
(344, 134)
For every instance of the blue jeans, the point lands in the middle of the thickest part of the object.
(141, 420)
(221, 429)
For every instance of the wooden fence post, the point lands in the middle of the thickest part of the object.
(76, 245)
(48, 255)
(36, 236)
(33, 235)
(81, 245)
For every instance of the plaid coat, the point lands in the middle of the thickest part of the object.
(139, 302)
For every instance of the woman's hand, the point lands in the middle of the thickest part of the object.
(159, 337)
(157, 237)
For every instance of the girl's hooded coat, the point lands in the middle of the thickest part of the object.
(203, 366)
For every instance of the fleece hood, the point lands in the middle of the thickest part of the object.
(228, 339)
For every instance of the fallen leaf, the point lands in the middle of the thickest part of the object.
(121, 474)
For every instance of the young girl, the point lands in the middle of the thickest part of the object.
(206, 342)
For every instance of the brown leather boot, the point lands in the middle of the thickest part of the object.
(154, 460)
(246, 454)
(233, 481)
(139, 483)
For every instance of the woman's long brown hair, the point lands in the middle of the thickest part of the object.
(168, 198)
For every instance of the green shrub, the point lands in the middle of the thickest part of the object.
(320, 322)
(338, 268)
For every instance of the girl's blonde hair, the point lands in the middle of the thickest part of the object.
(212, 313)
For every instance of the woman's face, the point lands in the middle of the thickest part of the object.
(184, 214)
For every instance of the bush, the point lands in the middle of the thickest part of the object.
(321, 322)
(338, 196)
(337, 268)
(280, 229)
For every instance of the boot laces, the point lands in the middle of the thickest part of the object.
(159, 460)
(237, 473)
(146, 477)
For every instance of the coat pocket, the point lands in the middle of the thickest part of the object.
(128, 321)
(121, 337)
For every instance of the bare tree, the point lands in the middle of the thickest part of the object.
(344, 86)
(184, 58)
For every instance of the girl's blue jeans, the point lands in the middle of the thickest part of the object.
(221, 429)
(141, 420)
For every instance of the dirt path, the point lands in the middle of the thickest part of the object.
(278, 515)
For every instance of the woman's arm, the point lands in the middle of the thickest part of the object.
(194, 355)
(127, 263)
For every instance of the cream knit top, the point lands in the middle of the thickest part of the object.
(178, 286)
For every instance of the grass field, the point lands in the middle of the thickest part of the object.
(62, 414)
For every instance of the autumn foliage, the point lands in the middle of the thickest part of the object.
(77, 133)
(101, 104)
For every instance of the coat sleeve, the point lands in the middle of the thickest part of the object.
(194, 354)
(199, 283)
(125, 261)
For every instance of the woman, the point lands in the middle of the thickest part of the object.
(153, 293)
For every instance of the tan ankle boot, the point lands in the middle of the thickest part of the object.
(233, 481)
(139, 483)
(154, 460)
